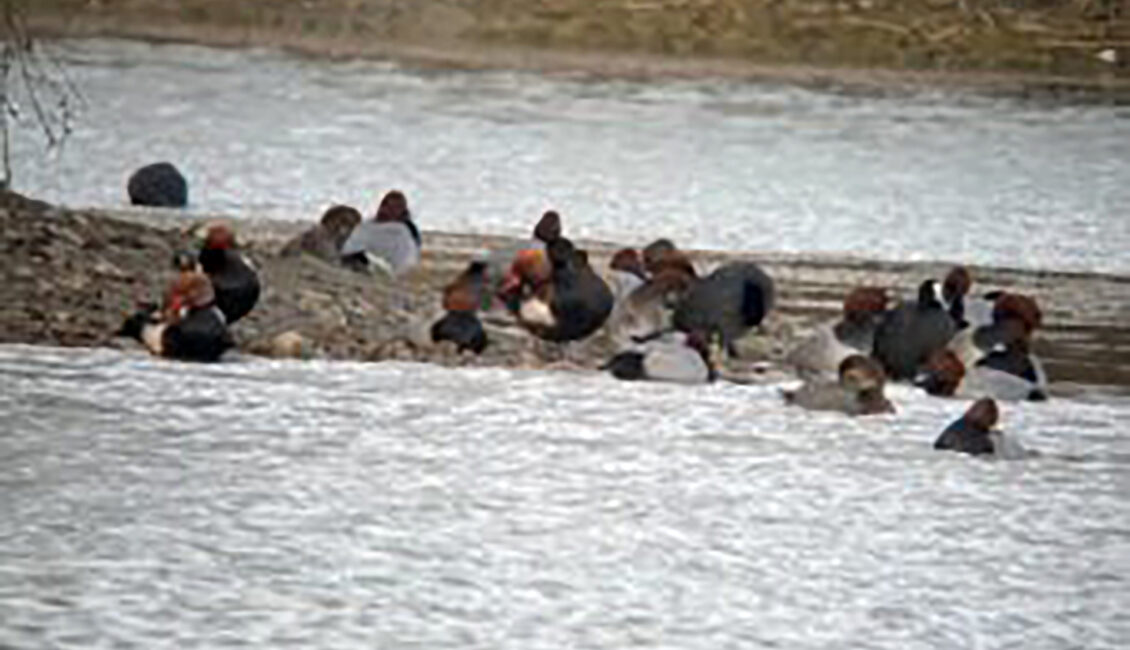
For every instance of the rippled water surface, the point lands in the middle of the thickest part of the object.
(279, 504)
(712, 164)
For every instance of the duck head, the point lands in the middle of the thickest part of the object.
(531, 268)
(863, 304)
(1023, 309)
(339, 221)
(467, 292)
(942, 374)
(628, 260)
(548, 227)
(393, 207)
(219, 237)
(983, 415)
(956, 285)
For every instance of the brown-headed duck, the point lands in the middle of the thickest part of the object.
(858, 390)
(569, 305)
(389, 242)
(233, 277)
(1010, 373)
(325, 240)
(975, 433)
(907, 335)
(831, 343)
(672, 357)
(191, 328)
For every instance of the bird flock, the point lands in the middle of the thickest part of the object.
(668, 321)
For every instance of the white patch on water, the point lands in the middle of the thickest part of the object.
(709, 163)
(341, 505)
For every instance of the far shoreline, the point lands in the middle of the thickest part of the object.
(601, 64)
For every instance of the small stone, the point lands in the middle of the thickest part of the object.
(290, 345)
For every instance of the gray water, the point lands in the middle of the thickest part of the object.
(262, 504)
(152, 504)
(712, 164)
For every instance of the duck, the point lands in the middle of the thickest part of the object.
(907, 335)
(390, 242)
(975, 433)
(727, 303)
(1009, 373)
(645, 311)
(669, 357)
(662, 254)
(324, 240)
(192, 328)
(234, 279)
(463, 328)
(854, 333)
(565, 300)
(858, 389)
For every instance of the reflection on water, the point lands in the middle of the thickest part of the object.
(712, 164)
(283, 504)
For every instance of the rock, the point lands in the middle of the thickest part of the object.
(291, 345)
(160, 185)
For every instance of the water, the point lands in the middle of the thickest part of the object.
(335, 505)
(266, 504)
(711, 164)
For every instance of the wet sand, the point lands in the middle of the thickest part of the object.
(71, 276)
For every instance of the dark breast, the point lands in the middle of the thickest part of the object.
(907, 336)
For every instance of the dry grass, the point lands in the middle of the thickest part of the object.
(1061, 37)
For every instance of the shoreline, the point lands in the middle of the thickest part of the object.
(72, 275)
(461, 54)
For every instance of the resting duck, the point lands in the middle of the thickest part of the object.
(325, 240)
(975, 433)
(234, 279)
(727, 303)
(822, 353)
(463, 328)
(192, 328)
(1009, 373)
(564, 301)
(390, 242)
(673, 357)
(858, 390)
(907, 335)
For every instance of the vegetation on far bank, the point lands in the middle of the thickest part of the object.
(1073, 38)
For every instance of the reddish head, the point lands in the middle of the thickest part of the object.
(943, 373)
(628, 260)
(530, 268)
(860, 373)
(1019, 307)
(548, 228)
(983, 414)
(393, 207)
(957, 283)
(865, 301)
(219, 237)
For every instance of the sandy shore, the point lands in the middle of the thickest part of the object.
(71, 276)
(1044, 54)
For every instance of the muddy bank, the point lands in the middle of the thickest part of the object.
(1068, 50)
(71, 276)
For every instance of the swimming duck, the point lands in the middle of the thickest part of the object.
(858, 389)
(672, 357)
(389, 242)
(975, 433)
(325, 239)
(1008, 373)
(831, 343)
(234, 279)
(907, 335)
(192, 328)
(727, 303)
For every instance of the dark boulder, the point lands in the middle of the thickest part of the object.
(160, 185)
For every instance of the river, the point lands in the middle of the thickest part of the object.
(271, 504)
